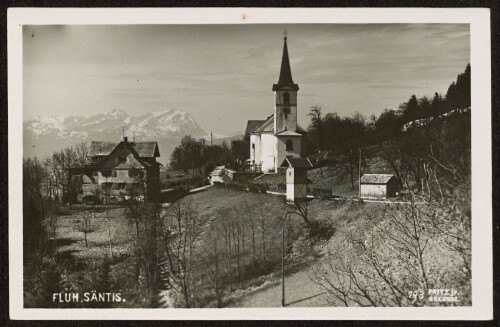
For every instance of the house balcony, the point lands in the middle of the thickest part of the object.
(251, 168)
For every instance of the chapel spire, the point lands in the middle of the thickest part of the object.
(285, 81)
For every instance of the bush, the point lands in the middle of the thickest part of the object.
(258, 188)
(322, 193)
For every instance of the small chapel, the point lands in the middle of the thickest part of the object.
(278, 136)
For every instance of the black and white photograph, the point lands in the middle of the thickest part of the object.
(238, 165)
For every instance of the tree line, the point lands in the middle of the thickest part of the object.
(340, 134)
(382, 135)
(194, 153)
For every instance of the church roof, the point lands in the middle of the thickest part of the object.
(285, 81)
(288, 133)
(267, 126)
(253, 124)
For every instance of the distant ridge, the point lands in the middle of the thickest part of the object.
(44, 135)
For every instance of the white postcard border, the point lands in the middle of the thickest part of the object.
(482, 256)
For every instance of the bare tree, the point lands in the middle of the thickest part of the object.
(299, 208)
(86, 226)
(213, 261)
(183, 221)
(316, 128)
(391, 256)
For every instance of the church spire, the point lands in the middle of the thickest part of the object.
(285, 81)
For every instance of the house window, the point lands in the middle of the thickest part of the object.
(253, 145)
(109, 173)
(122, 159)
(107, 186)
(289, 145)
(121, 186)
(134, 173)
(286, 98)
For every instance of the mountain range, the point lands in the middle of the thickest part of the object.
(43, 134)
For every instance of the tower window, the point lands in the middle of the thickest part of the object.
(289, 145)
(286, 98)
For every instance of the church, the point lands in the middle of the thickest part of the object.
(278, 136)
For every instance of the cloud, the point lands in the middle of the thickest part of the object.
(228, 70)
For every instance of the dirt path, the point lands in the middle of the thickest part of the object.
(300, 291)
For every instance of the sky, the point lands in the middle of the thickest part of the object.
(223, 74)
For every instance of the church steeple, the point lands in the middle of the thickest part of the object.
(285, 81)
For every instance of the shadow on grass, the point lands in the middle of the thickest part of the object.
(305, 299)
(59, 242)
(69, 261)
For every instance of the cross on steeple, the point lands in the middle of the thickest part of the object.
(285, 33)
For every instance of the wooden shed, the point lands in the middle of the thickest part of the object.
(296, 178)
(378, 186)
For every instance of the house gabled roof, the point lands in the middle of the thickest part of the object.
(130, 147)
(296, 163)
(253, 124)
(98, 148)
(143, 149)
(146, 149)
(376, 178)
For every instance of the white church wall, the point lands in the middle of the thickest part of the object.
(268, 151)
(255, 152)
(281, 148)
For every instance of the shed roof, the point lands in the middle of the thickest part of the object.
(296, 163)
(376, 178)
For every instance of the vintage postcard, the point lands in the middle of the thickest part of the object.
(250, 164)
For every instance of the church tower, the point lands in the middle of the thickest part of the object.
(285, 97)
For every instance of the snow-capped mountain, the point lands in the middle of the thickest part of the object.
(44, 135)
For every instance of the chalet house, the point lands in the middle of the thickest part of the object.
(121, 170)
(278, 136)
(378, 186)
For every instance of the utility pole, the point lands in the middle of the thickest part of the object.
(211, 147)
(202, 156)
(283, 252)
(283, 263)
(359, 175)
